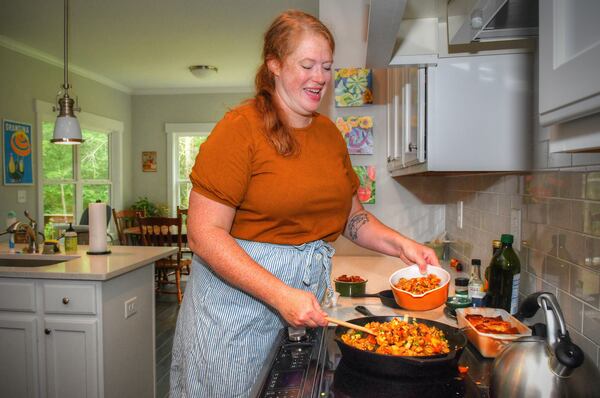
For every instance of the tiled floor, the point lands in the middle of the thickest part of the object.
(166, 319)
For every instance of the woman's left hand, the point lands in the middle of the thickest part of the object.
(414, 252)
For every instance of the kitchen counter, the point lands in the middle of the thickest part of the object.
(123, 259)
(377, 270)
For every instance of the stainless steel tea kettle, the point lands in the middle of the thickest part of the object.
(544, 367)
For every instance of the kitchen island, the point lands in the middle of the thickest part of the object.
(83, 327)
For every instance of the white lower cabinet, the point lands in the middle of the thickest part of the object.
(71, 357)
(18, 355)
(71, 339)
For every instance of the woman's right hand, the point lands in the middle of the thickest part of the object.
(300, 308)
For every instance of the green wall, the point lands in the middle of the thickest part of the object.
(23, 80)
(150, 113)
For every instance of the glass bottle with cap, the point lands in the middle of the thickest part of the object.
(461, 286)
(70, 240)
(475, 289)
(505, 276)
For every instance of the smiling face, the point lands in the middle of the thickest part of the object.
(301, 78)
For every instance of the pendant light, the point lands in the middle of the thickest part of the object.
(66, 129)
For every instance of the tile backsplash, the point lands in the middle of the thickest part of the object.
(560, 237)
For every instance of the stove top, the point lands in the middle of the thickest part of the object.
(314, 367)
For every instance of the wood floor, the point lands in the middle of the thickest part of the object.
(166, 317)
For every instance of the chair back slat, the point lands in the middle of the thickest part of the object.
(126, 219)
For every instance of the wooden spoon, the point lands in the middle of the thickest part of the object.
(350, 325)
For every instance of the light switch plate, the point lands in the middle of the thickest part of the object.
(21, 196)
(130, 307)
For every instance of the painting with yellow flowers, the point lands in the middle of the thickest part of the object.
(353, 87)
(358, 133)
(18, 154)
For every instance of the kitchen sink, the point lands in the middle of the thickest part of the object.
(32, 260)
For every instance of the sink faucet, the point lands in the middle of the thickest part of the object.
(31, 231)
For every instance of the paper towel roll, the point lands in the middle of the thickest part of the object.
(97, 213)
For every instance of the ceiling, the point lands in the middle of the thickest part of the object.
(146, 46)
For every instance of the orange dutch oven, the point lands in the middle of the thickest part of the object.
(425, 301)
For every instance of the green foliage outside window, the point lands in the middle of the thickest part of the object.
(58, 170)
(188, 149)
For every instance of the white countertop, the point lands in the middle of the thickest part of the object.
(377, 270)
(122, 259)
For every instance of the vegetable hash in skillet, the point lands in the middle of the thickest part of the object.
(397, 337)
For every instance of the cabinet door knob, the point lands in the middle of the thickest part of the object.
(65, 300)
(47, 331)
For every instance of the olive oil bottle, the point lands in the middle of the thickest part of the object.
(505, 276)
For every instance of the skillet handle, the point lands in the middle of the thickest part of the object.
(363, 310)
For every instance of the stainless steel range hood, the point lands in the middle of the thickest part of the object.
(491, 20)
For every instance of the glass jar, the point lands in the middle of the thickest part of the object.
(461, 286)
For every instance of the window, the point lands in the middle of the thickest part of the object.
(183, 144)
(73, 176)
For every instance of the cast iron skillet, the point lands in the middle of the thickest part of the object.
(386, 297)
(404, 366)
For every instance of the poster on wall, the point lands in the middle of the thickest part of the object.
(149, 161)
(366, 189)
(358, 133)
(353, 87)
(17, 152)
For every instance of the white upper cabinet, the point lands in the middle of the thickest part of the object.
(569, 60)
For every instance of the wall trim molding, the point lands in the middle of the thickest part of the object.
(51, 60)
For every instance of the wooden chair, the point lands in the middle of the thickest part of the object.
(126, 219)
(185, 250)
(165, 231)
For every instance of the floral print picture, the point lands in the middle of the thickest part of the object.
(353, 87)
(358, 133)
(366, 190)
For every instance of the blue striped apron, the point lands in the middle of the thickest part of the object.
(223, 335)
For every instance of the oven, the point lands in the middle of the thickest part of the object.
(310, 365)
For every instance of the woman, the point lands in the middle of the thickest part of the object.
(272, 185)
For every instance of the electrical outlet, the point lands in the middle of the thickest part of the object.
(21, 196)
(130, 307)
(515, 227)
(459, 214)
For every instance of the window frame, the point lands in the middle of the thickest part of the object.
(173, 132)
(88, 121)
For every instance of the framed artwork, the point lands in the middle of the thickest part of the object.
(353, 87)
(358, 133)
(18, 153)
(149, 161)
(366, 189)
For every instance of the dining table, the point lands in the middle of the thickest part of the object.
(134, 234)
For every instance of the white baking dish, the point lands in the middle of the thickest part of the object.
(489, 344)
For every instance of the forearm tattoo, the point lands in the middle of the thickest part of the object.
(355, 223)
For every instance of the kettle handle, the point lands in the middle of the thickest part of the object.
(529, 306)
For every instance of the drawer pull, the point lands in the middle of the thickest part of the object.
(47, 331)
(65, 300)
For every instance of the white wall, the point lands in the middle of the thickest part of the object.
(404, 206)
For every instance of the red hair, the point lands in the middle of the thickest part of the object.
(279, 42)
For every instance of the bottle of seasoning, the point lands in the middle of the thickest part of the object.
(11, 218)
(461, 286)
(70, 240)
(476, 293)
(505, 276)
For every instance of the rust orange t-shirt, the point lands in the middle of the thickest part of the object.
(282, 200)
